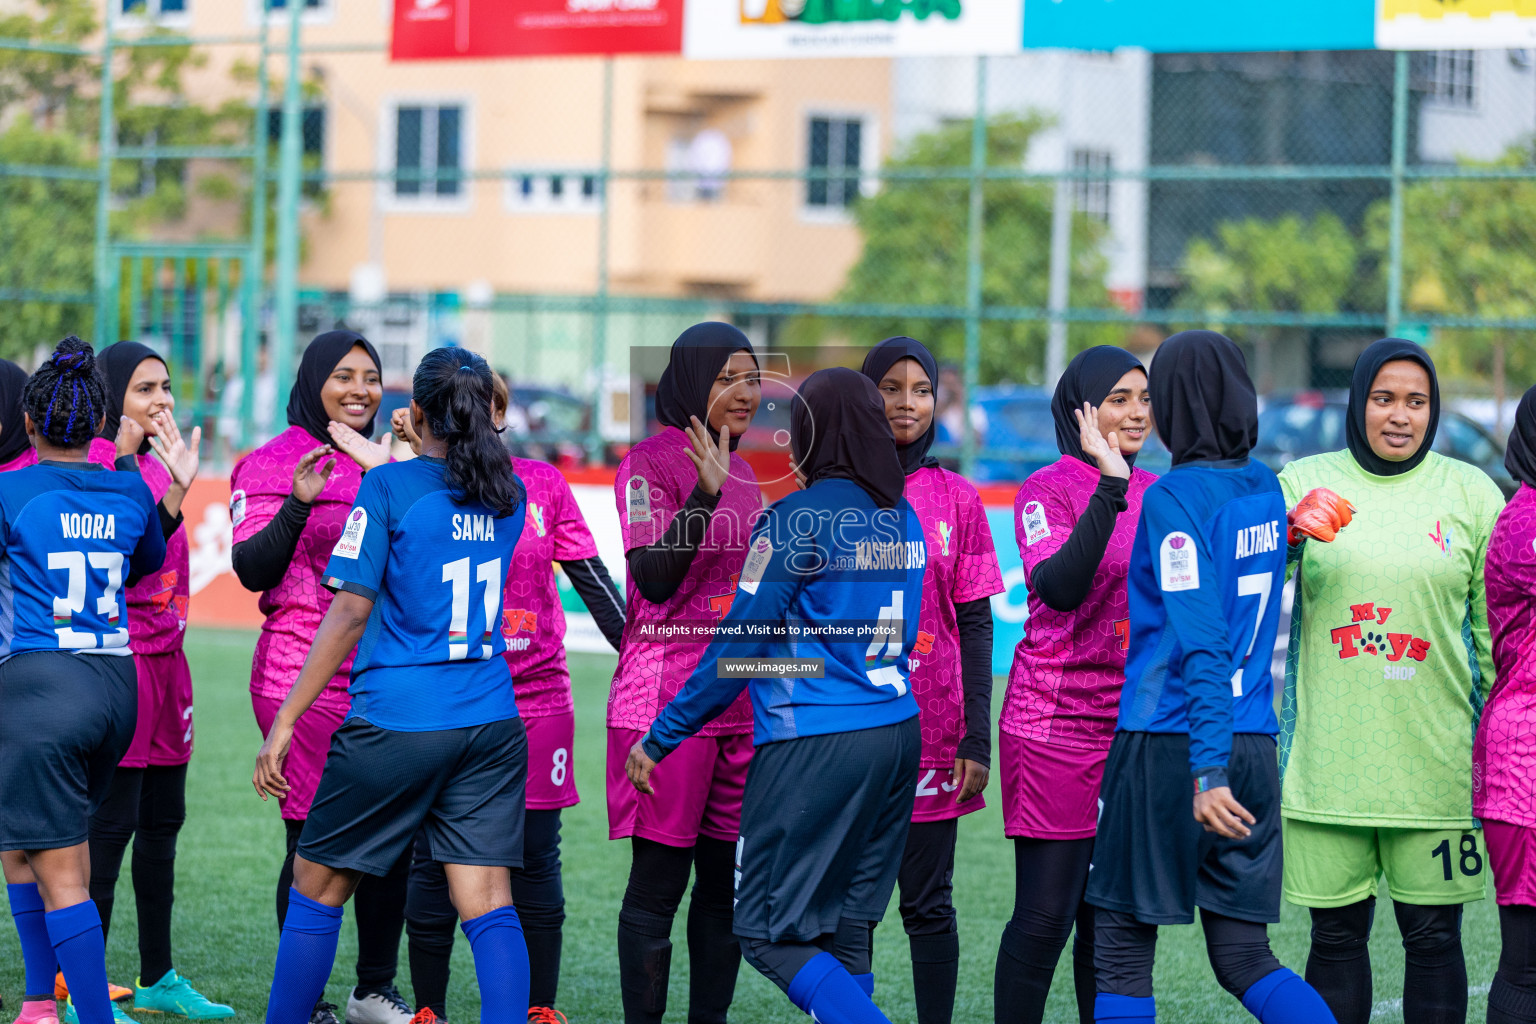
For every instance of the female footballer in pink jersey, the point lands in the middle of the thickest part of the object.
(687, 505)
(1075, 521)
(533, 625)
(1504, 760)
(951, 670)
(147, 800)
(288, 502)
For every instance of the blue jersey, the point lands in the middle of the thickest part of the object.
(829, 577)
(73, 538)
(430, 657)
(1204, 586)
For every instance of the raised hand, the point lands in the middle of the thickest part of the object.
(400, 426)
(713, 461)
(308, 481)
(180, 458)
(367, 454)
(1320, 514)
(129, 436)
(1103, 450)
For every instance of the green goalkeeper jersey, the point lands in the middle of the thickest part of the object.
(1389, 657)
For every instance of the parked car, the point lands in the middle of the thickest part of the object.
(1295, 425)
(547, 423)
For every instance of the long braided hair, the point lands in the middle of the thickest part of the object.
(66, 397)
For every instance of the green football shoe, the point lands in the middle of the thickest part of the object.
(67, 1014)
(174, 994)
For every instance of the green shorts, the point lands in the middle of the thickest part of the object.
(1335, 865)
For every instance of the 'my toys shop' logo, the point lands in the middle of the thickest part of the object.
(1361, 638)
(824, 12)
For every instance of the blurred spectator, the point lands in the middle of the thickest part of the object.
(950, 411)
(263, 406)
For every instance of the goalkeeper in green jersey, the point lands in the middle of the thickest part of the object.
(1388, 666)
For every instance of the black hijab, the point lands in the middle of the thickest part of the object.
(1376, 355)
(1202, 399)
(305, 409)
(878, 363)
(1519, 456)
(837, 429)
(13, 428)
(697, 357)
(1089, 377)
(117, 365)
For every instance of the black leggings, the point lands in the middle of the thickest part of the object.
(1434, 969)
(1124, 949)
(378, 907)
(148, 806)
(658, 875)
(779, 962)
(1050, 876)
(537, 892)
(1512, 999)
(926, 884)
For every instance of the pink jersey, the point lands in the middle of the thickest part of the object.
(102, 452)
(962, 566)
(652, 485)
(1069, 668)
(293, 609)
(532, 620)
(157, 604)
(1504, 756)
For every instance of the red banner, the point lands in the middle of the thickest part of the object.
(448, 29)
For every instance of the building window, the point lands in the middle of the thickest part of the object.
(282, 5)
(151, 172)
(429, 152)
(553, 193)
(313, 131)
(313, 10)
(835, 145)
(1090, 193)
(1450, 77)
(151, 10)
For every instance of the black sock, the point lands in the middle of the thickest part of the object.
(111, 829)
(291, 829)
(658, 876)
(1512, 999)
(1434, 968)
(430, 923)
(1023, 979)
(935, 975)
(1508, 1004)
(162, 811)
(539, 893)
(543, 964)
(714, 953)
(1049, 878)
(1339, 962)
(379, 908)
(1083, 983)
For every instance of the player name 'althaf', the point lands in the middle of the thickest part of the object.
(1255, 540)
(876, 556)
(86, 526)
(469, 527)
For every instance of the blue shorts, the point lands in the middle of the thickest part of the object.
(1152, 860)
(463, 788)
(65, 721)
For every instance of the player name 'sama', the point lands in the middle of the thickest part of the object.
(1256, 540)
(88, 526)
(474, 527)
(876, 556)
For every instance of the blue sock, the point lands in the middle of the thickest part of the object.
(866, 983)
(501, 965)
(305, 955)
(1109, 1007)
(82, 951)
(825, 990)
(1281, 997)
(36, 948)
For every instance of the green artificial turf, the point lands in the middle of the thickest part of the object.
(226, 931)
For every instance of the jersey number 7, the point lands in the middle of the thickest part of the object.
(1260, 585)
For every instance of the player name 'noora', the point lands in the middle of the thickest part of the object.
(88, 526)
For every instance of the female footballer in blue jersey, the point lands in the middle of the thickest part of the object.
(73, 537)
(432, 739)
(1197, 724)
(834, 574)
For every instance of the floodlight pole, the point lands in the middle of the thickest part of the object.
(974, 230)
(254, 274)
(106, 294)
(1399, 167)
(285, 306)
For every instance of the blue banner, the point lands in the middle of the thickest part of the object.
(1008, 608)
(1195, 26)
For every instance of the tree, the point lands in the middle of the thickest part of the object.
(1286, 265)
(915, 252)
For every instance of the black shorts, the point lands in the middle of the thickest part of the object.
(1152, 860)
(65, 721)
(823, 825)
(462, 787)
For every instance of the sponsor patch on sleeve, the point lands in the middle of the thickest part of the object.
(638, 504)
(757, 563)
(1178, 562)
(351, 543)
(237, 507)
(1035, 526)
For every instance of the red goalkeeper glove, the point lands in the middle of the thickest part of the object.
(1320, 514)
